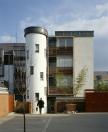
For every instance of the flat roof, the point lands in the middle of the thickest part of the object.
(75, 33)
(33, 29)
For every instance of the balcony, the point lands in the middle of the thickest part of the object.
(53, 51)
(59, 70)
(64, 50)
(60, 91)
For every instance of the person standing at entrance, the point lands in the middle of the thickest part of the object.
(40, 104)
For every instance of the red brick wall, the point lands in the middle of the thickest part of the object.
(96, 101)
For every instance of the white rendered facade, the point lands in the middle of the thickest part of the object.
(36, 67)
(83, 58)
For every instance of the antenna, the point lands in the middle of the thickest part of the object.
(16, 35)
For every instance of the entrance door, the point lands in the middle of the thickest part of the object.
(51, 104)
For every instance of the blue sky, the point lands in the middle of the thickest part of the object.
(15, 15)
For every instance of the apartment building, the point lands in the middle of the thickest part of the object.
(69, 52)
(65, 55)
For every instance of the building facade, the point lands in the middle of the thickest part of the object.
(69, 52)
(12, 67)
(66, 54)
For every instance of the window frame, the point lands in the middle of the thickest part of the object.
(37, 48)
(31, 70)
(41, 75)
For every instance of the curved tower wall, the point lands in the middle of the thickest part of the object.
(36, 66)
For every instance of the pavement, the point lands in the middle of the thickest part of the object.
(78, 122)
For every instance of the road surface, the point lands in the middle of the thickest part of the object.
(96, 122)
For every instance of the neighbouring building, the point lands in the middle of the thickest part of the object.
(53, 62)
(12, 63)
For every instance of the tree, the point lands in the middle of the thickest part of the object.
(63, 82)
(20, 80)
(100, 85)
(79, 81)
(21, 75)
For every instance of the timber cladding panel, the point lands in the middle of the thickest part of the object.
(3, 104)
(6, 104)
(96, 101)
(11, 103)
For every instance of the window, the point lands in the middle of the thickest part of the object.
(65, 42)
(64, 61)
(52, 81)
(41, 76)
(64, 81)
(52, 62)
(31, 70)
(52, 41)
(8, 59)
(37, 96)
(61, 42)
(37, 47)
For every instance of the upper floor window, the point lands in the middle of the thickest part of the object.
(37, 47)
(31, 70)
(41, 75)
(8, 59)
(64, 61)
(65, 42)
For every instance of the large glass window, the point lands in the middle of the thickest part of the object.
(64, 61)
(64, 81)
(64, 42)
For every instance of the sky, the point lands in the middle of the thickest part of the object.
(15, 15)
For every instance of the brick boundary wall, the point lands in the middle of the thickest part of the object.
(96, 101)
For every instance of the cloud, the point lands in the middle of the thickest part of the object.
(102, 9)
(25, 23)
(73, 21)
(7, 39)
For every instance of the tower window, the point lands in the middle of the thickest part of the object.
(41, 75)
(37, 47)
(31, 70)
